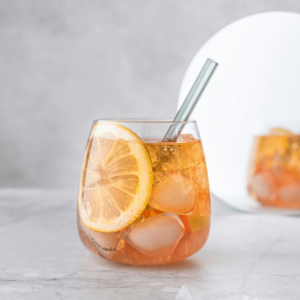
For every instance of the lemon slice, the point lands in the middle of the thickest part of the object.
(116, 180)
(279, 131)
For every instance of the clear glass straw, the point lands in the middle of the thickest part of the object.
(191, 100)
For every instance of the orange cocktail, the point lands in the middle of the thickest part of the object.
(143, 202)
(274, 174)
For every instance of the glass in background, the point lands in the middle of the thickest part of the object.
(274, 169)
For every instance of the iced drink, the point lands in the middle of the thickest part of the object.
(143, 202)
(274, 173)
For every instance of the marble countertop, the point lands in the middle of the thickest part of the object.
(247, 256)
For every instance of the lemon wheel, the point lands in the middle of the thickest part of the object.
(116, 180)
(280, 131)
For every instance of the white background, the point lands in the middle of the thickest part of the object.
(257, 81)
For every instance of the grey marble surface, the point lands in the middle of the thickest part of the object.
(247, 256)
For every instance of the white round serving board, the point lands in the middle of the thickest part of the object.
(258, 80)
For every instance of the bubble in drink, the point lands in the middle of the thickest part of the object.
(157, 236)
(175, 193)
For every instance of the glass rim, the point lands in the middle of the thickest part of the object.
(142, 121)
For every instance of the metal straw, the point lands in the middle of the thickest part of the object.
(191, 100)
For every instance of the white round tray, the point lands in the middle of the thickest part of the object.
(257, 80)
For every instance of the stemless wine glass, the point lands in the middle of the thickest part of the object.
(143, 201)
(274, 170)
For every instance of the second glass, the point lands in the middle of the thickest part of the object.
(142, 201)
(274, 170)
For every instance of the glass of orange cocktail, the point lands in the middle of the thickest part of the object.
(143, 201)
(274, 170)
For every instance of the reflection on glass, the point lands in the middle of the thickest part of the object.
(274, 172)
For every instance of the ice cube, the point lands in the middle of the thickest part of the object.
(262, 184)
(175, 193)
(186, 138)
(103, 241)
(191, 154)
(289, 193)
(184, 246)
(157, 236)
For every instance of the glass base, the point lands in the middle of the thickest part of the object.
(128, 255)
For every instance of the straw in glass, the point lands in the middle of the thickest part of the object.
(191, 100)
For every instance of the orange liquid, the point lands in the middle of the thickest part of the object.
(177, 167)
(274, 174)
